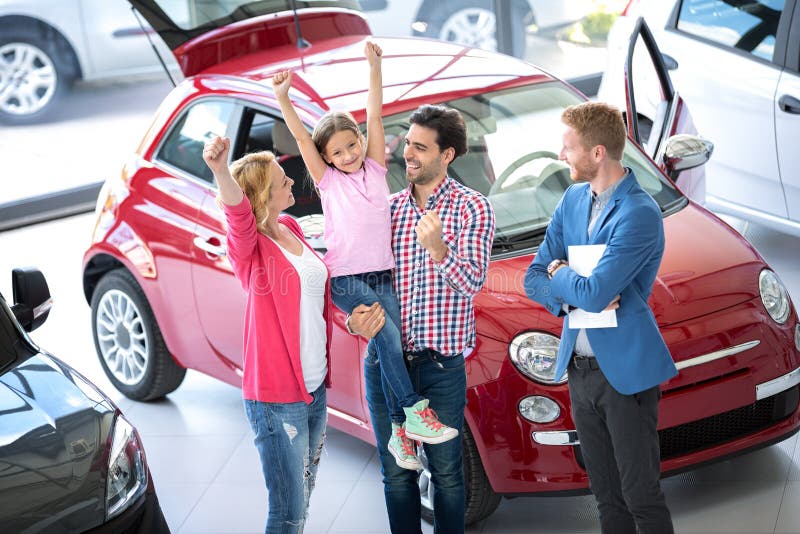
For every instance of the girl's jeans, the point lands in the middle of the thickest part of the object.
(289, 438)
(367, 288)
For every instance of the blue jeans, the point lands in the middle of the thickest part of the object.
(289, 438)
(367, 288)
(443, 380)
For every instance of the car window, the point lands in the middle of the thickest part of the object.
(191, 15)
(12, 343)
(183, 147)
(262, 131)
(8, 338)
(746, 25)
(514, 139)
(650, 98)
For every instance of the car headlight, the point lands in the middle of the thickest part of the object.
(534, 354)
(127, 476)
(539, 409)
(774, 296)
(797, 336)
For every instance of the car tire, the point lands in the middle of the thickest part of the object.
(128, 340)
(29, 92)
(471, 22)
(481, 499)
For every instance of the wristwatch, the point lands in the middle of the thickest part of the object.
(553, 265)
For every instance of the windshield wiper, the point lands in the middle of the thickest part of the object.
(508, 243)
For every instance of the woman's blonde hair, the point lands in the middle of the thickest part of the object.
(251, 172)
(329, 124)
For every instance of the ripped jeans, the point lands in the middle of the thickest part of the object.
(289, 439)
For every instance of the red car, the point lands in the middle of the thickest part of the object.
(164, 298)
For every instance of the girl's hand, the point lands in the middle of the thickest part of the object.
(215, 154)
(373, 53)
(281, 83)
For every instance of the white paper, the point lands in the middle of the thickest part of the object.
(583, 259)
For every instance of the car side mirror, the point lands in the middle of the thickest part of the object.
(684, 151)
(31, 296)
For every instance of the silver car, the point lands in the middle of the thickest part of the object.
(469, 22)
(45, 45)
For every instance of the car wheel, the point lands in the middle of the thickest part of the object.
(472, 23)
(128, 340)
(34, 76)
(482, 501)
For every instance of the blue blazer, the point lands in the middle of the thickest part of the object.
(632, 356)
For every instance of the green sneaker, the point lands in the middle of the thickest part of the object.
(402, 449)
(423, 425)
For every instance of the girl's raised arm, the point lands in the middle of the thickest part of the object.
(281, 83)
(376, 139)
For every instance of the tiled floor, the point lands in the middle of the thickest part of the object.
(208, 476)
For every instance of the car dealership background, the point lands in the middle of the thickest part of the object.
(97, 128)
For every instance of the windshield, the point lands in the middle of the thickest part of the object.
(514, 139)
(195, 14)
(12, 343)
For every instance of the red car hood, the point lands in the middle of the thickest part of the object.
(707, 267)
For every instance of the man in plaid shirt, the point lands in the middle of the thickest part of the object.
(442, 237)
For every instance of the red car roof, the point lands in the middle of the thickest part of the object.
(333, 73)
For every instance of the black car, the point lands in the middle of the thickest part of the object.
(69, 460)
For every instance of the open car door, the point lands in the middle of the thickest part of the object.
(204, 34)
(657, 116)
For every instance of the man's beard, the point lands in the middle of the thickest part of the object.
(584, 173)
(425, 175)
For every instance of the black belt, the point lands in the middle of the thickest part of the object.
(584, 362)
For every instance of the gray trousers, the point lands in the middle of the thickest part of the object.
(619, 443)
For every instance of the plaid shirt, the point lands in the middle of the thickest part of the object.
(436, 298)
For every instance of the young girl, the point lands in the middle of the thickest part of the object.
(354, 194)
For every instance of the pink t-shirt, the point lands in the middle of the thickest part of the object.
(358, 226)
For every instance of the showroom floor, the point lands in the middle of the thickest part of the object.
(207, 474)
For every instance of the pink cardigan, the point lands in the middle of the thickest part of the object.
(271, 371)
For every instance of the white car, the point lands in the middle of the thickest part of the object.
(469, 22)
(737, 67)
(45, 45)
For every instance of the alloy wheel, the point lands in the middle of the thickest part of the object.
(424, 481)
(28, 79)
(122, 337)
(471, 27)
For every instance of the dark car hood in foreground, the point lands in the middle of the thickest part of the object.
(707, 267)
(54, 429)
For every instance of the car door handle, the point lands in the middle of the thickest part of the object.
(789, 104)
(207, 245)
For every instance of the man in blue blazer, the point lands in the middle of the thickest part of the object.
(613, 372)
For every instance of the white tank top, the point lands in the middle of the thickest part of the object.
(313, 337)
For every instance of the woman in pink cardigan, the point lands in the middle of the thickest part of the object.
(287, 329)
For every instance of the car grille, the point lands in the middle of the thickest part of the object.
(727, 426)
